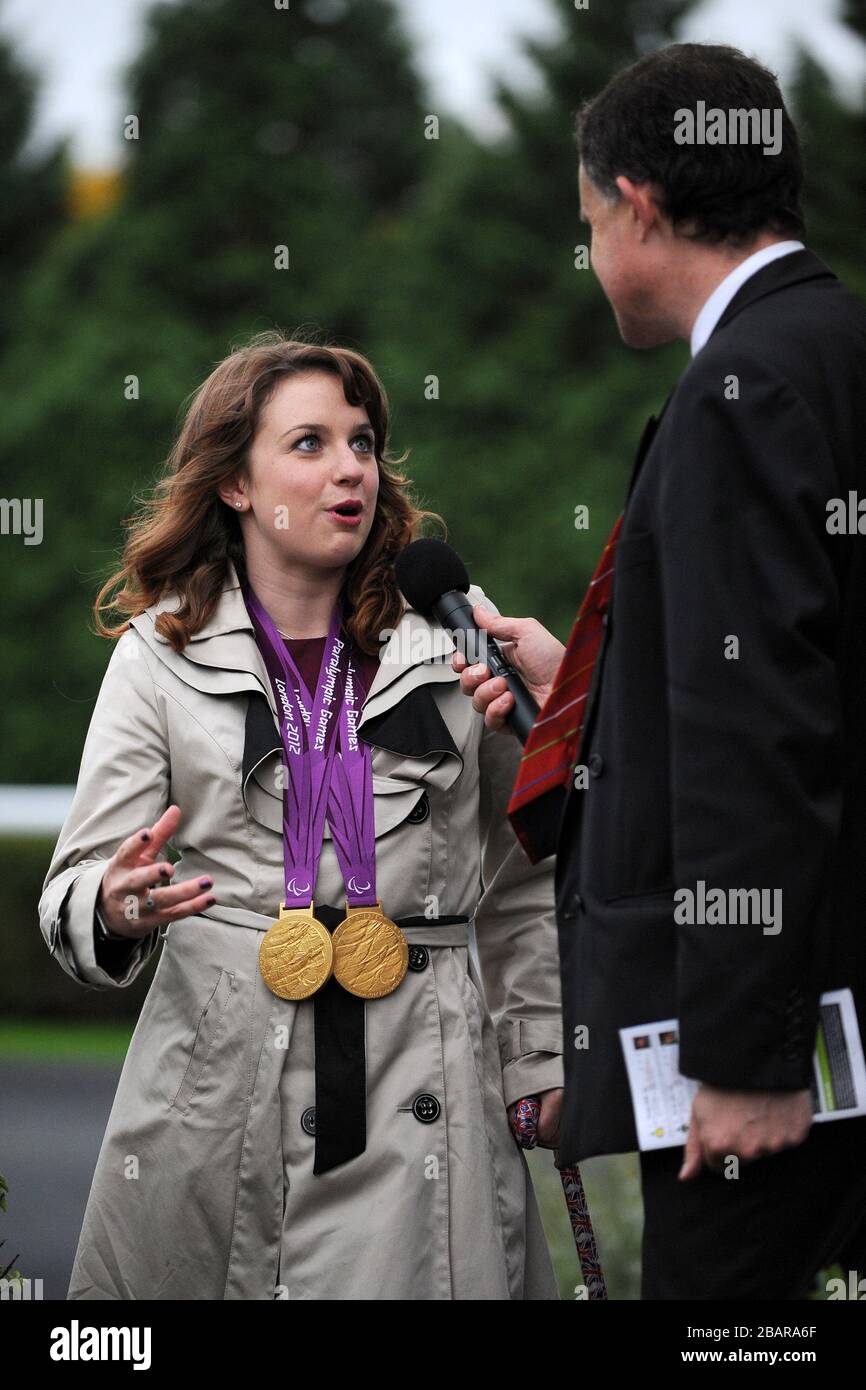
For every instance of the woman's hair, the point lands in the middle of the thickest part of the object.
(184, 534)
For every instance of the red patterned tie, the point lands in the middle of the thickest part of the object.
(544, 775)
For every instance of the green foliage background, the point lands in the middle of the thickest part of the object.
(448, 257)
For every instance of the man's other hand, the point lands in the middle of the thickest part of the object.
(747, 1124)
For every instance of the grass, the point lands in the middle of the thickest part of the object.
(38, 1040)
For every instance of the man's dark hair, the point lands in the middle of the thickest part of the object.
(715, 193)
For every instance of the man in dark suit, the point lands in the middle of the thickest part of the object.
(723, 735)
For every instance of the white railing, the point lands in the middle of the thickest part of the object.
(33, 810)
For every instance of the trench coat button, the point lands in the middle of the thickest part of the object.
(604, 618)
(426, 1108)
(308, 1120)
(418, 957)
(573, 905)
(420, 811)
(595, 764)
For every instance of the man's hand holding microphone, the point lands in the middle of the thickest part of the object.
(533, 652)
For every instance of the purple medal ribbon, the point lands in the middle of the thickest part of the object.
(319, 782)
(351, 814)
(309, 753)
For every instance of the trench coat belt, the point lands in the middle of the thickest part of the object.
(340, 1030)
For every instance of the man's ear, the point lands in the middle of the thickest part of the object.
(643, 202)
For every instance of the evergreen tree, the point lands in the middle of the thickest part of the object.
(833, 139)
(452, 263)
(256, 128)
(263, 127)
(31, 186)
(540, 404)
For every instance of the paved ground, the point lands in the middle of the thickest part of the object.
(52, 1118)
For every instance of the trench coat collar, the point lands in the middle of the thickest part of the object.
(225, 648)
(412, 744)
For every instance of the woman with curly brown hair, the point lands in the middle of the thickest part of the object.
(314, 1100)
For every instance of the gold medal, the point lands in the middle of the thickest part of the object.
(296, 956)
(371, 954)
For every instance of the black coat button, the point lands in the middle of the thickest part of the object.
(308, 1120)
(595, 764)
(426, 1108)
(420, 811)
(418, 957)
(568, 903)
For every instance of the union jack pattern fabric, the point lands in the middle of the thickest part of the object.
(524, 1125)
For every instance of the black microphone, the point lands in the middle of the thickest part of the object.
(434, 580)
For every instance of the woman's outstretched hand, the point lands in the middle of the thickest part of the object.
(136, 870)
(533, 652)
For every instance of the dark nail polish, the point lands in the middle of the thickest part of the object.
(205, 883)
(209, 902)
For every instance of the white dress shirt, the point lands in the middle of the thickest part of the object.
(724, 292)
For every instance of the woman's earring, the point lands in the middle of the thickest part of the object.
(237, 504)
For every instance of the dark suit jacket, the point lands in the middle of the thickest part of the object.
(743, 773)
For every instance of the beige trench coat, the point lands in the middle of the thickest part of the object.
(204, 1185)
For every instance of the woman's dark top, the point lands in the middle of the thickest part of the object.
(306, 652)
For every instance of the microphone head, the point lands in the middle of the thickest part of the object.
(427, 569)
